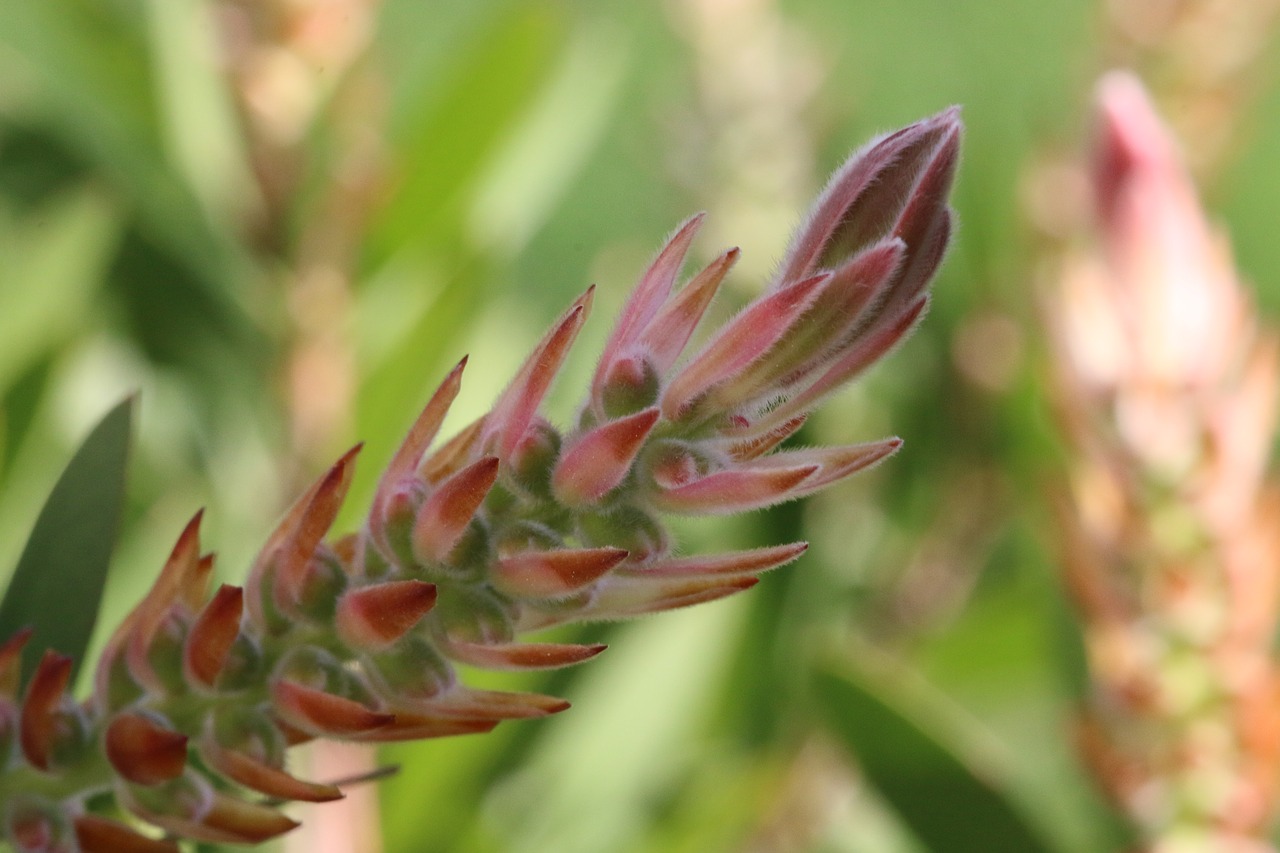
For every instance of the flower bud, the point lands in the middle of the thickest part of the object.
(144, 749)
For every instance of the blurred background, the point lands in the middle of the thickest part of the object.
(282, 221)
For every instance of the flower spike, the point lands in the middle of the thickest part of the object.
(510, 526)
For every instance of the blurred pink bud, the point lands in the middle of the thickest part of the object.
(144, 751)
(210, 637)
(38, 724)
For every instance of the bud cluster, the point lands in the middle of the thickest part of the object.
(509, 527)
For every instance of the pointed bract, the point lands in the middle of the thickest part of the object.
(522, 656)
(38, 725)
(374, 617)
(408, 725)
(630, 597)
(855, 289)
(97, 834)
(665, 338)
(11, 662)
(144, 751)
(647, 298)
(448, 511)
(320, 713)
(469, 703)
(263, 778)
(421, 434)
(739, 343)
(299, 545)
(515, 408)
(868, 349)
(133, 637)
(734, 490)
(209, 641)
(598, 461)
(553, 574)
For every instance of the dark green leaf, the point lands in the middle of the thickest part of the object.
(939, 795)
(57, 586)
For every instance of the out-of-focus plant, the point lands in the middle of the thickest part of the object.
(510, 527)
(1168, 391)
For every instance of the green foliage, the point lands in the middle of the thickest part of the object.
(57, 586)
(945, 801)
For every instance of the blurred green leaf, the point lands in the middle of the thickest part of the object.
(58, 583)
(947, 802)
(54, 261)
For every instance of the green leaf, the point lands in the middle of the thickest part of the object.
(57, 586)
(943, 797)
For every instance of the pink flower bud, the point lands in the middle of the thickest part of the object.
(39, 730)
(522, 656)
(319, 713)
(551, 574)
(739, 343)
(896, 186)
(718, 565)
(449, 509)
(734, 490)
(646, 299)
(143, 750)
(374, 617)
(599, 460)
(516, 406)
